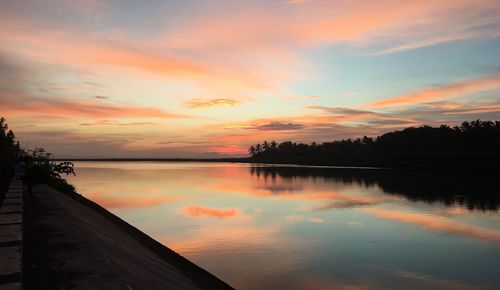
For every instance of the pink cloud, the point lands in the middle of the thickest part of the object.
(276, 32)
(441, 93)
(439, 224)
(65, 47)
(199, 103)
(80, 108)
(116, 123)
(203, 211)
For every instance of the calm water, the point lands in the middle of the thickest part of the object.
(262, 227)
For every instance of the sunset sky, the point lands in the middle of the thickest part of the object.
(209, 78)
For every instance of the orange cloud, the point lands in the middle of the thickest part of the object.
(296, 26)
(116, 123)
(92, 51)
(439, 224)
(209, 103)
(474, 109)
(202, 211)
(441, 93)
(131, 202)
(81, 108)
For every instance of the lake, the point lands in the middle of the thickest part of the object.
(294, 227)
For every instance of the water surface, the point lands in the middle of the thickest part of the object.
(271, 227)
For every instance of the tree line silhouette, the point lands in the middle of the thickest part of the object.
(474, 144)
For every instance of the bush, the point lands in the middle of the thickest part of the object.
(46, 171)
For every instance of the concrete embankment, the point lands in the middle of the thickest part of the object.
(71, 242)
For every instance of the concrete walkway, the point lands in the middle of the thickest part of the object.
(11, 236)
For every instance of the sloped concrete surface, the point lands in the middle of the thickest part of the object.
(90, 252)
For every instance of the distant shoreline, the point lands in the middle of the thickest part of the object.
(242, 159)
(472, 146)
(281, 163)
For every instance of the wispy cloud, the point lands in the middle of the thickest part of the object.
(64, 47)
(277, 126)
(440, 224)
(319, 23)
(340, 110)
(101, 97)
(77, 108)
(116, 123)
(341, 114)
(440, 93)
(199, 103)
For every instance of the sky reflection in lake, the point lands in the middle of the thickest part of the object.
(261, 227)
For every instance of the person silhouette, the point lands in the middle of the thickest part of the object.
(22, 172)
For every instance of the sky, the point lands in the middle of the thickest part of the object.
(209, 78)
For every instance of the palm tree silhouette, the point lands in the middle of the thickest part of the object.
(258, 148)
(473, 144)
(251, 150)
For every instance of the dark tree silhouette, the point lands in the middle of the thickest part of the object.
(9, 150)
(42, 167)
(251, 150)
(473, 144)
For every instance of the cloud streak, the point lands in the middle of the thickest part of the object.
(277, 126)
(439, 224)
(319, 23)
(210, 103)
(116, 123)
(77, 108)
(440, 93)
(91, 51)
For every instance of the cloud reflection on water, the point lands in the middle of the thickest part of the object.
(439, 224)
(197, 211)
